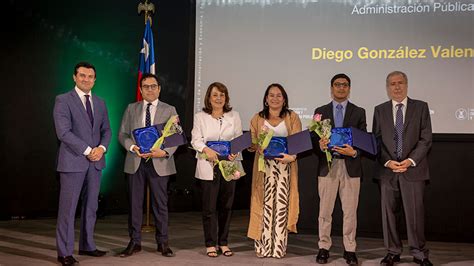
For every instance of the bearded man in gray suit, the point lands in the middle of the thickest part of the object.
(402, 127)
(83, 129)
(155, 171)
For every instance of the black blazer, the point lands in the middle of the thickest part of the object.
(353, 117)
(417, 138)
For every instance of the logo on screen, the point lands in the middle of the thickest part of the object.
(461, 114)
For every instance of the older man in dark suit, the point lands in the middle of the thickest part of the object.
(83, 129)
(140, 171)
(402, 127)
(344, 175)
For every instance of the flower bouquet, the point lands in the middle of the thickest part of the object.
(262, 141)
(230, 170)
(323, 129)
(172, 126)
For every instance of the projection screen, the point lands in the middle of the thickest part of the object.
(249, 44)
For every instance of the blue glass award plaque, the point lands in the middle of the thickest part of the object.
(145, 137)
(340, 136)
(276, 146)
(221, 147)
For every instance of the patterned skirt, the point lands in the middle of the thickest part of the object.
(276, 194)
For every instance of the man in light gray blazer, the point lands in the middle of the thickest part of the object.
(83, 129)
(155, 171)
(402, 127)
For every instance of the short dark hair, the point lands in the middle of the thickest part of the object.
(396, 73)
(207, 99)
(341, 76)
(265, 113)
(149, 75)
(86, 65)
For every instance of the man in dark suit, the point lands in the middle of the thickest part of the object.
(402, 127)
(83, 129)
(344, 175)
(155, 171)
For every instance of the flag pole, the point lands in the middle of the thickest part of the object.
(148, 9)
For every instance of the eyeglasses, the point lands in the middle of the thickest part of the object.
(340, 85)
(151, 87)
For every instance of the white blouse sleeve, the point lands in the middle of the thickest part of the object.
(197, 136)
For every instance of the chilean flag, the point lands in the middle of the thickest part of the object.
(147, 57)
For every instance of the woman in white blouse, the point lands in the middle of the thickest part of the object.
(216, 122)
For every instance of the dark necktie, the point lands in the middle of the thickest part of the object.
(338, 120)
(89, 109)
(399, 130)
(148, 116)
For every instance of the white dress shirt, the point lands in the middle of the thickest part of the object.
(207, 128)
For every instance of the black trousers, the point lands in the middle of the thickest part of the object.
(158, 197)
(217, 200)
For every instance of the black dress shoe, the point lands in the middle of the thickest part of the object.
(165, 250)
(390, 259)
(423, 262)
(67, 260)
(130, 250)
(323, 256)
(350, 258)
(94, 253)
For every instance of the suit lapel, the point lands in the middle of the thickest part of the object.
(76, 100)
(388, 112)
(347, 115)
(138, 114)
(327, 109)
(158, 114)
(95, 109)
(389, 125)
(409, 113)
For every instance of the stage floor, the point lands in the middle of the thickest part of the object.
(32, 242)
